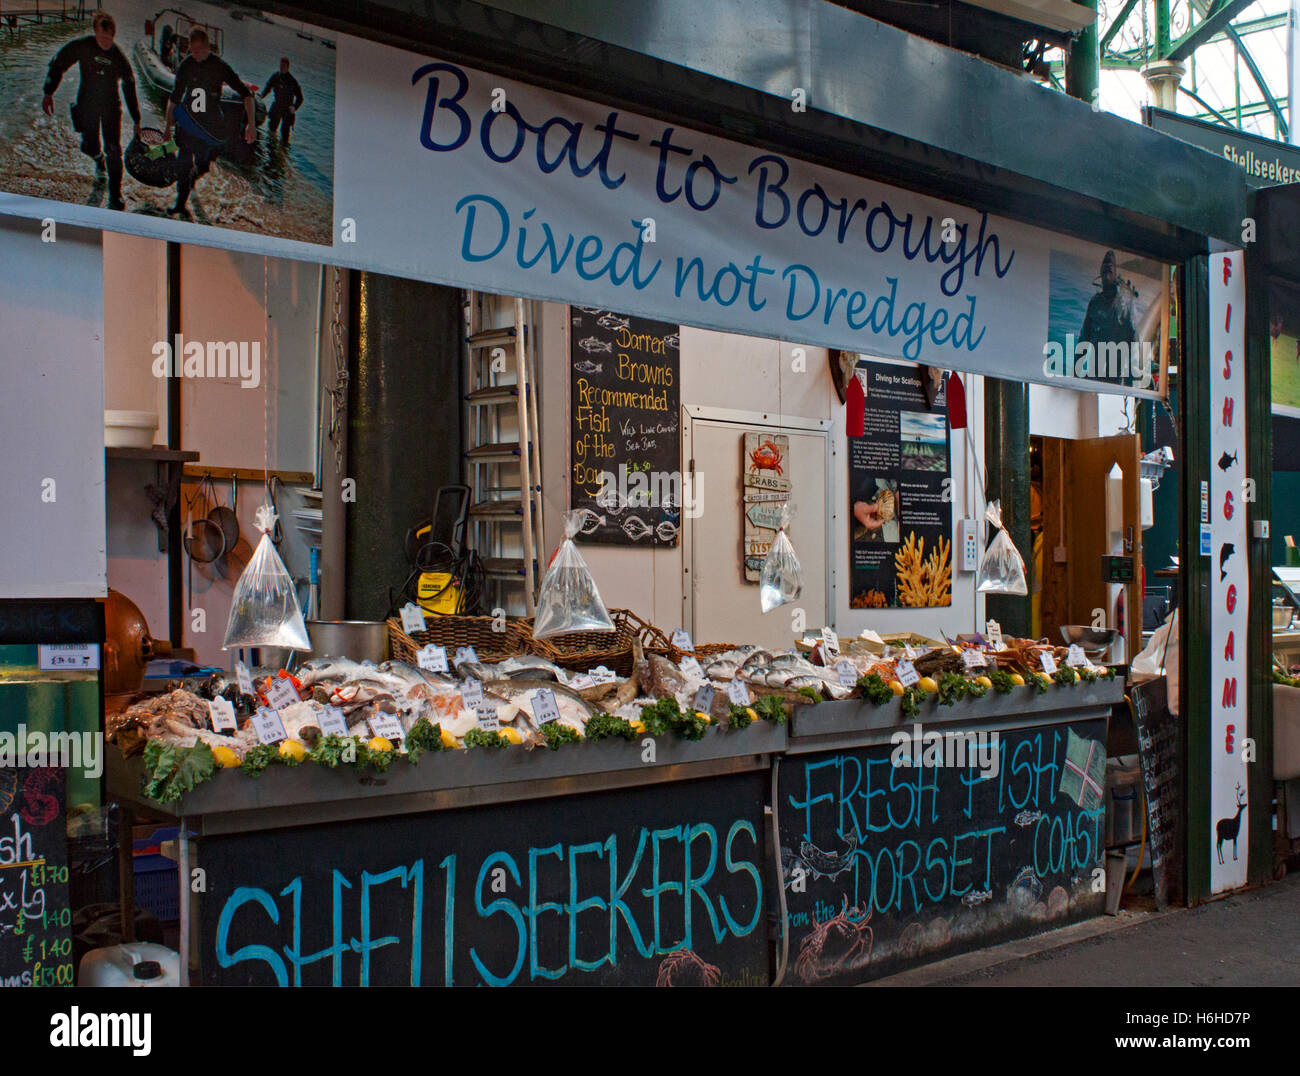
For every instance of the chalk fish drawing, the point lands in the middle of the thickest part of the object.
(672, 341)
(1028, 818)
(635, 528)
(822, 864)
(591, 344)
(586, 366)
(590, 521)
(666, 531)
(612, 321)
(977, 896)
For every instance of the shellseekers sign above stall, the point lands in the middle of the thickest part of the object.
(496, 185)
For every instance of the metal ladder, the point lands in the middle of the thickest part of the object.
(502, 450)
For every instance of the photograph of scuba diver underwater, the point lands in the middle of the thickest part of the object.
(1107, 297)
(198, 113)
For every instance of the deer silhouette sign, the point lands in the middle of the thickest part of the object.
(1227, 828)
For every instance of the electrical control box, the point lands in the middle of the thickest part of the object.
(968, 545)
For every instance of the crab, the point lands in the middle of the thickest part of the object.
(767, 457)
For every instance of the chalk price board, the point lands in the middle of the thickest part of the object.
(625, 419)
(35, 920)
(885, 866)
(644, 886)
(1159, 750)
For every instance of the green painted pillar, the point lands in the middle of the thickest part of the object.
(1083, 67)
(1006, 457)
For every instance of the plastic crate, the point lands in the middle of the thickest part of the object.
(156, 877)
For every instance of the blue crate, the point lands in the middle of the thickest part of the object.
(157, 878)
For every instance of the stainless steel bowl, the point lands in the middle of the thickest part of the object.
(1093, 640)
(360, 640)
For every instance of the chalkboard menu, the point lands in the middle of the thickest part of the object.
(886, 866)
(625, 417)
(35, 920)
(650, 886)
(1159, 750)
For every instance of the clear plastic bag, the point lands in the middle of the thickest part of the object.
(264, 611)
(1002, 569)
(569, 600)
(781, 579)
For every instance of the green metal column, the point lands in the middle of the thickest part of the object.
(1006, 456)
(1162, 29)
(1083, 69)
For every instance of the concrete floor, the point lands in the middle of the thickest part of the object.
(1250, 939)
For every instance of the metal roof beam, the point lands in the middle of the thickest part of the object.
(1115, 25)
(1216, 20)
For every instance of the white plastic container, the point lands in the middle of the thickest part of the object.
(130, 964)
(129, 429)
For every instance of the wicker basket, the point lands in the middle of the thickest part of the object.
(704, 652)
(452, 632)
(583, 650)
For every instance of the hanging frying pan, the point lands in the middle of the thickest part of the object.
(204, 540)
(226, 517)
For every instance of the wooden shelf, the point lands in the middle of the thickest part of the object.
(157, 453)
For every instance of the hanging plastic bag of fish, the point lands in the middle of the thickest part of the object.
(1002, 570)
(264, 611)
(781, 578)
(569, 600)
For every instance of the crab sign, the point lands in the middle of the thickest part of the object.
(766, 457)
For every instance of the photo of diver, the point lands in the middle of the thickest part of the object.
(1109, 317)
(205, 144)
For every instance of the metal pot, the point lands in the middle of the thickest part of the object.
(360, 640)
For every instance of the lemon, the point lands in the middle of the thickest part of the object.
(289, 749)
(637, 725)
(225, 757)
(511, 735)
(379, 744)
(448, 740)
(752, 715)
(983, 681)
(896, 687)
(1017, 679)
(704, 717)
(928, 685)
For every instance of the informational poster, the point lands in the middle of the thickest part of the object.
(626, 433)
(1229, 575)
(900, 500)
(767, 490)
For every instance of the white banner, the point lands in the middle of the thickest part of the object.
(451, 175)
(1229, 581)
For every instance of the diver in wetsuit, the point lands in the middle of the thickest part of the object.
(97, 114)
(288, 99)
(194, 110)
(1109, 317)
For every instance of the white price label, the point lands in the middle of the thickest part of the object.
(847, 673)
(59, 656)
(466, 653)
(432, 658)
(472, 692)
(486, 713)
(332, 722)
(907, 674)
(682, 640)
(223, 715)
(738, 692)
(602, 675)
(974, 659)
(691, 667)
(1048, 662)
(704, 698)
(244, 677)
(581, 682)
(830, 641)
(412, 618)
(281, 694)
(387, 726)
(545, 708)
(908, 652)
(1074, 657)
(268, 726)
(993, 633)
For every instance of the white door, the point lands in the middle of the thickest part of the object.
(721, 607)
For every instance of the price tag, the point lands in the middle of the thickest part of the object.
(244, 677)
(223, 715)
(432, 658)
(56, 657)
(691, 667)
(830, 642)
(907, 674)
(281, 694)
(847, 673)
(466, 653)
(602, 675)
(974, 659)
(993, 633)
(412, 618)
(682, 640)
(268, 726)
(387, 726)
(908, 652)
(486, 713)
(1048, 662)
(472, 692)
(545, 708)
(581, 682)
(1074, 657)
(704, 698)
(738, 692)
(332, 722)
